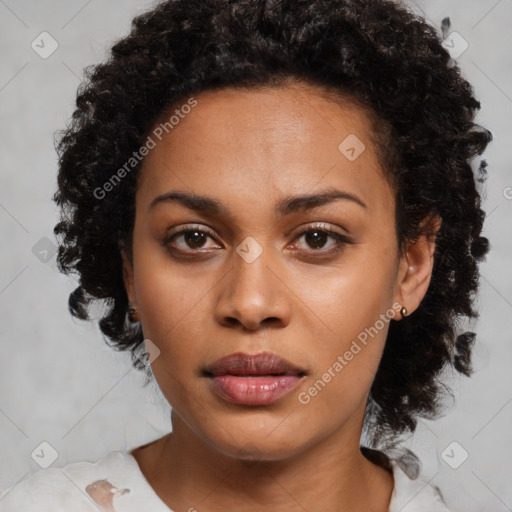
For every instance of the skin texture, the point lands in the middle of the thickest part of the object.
(249, 149)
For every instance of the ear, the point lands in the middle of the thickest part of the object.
(128, 274)
(415, 266)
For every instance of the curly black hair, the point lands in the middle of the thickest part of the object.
(378, 54)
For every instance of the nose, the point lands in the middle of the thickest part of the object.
(254, 295)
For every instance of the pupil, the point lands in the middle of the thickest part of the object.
(316, 239)
(194, 239)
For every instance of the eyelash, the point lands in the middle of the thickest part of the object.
(338, 237)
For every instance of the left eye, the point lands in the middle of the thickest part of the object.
(316, 238)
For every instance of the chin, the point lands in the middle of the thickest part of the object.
(252, 452)
(257, 446)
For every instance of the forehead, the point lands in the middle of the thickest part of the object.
(263, 143)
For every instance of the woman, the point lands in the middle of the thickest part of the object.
(277, 199)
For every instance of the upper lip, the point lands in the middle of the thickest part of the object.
(264, 363)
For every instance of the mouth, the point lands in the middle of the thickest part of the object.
(259, 379)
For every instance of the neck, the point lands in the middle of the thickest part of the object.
(189, 474)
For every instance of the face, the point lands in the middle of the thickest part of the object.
(292, 251)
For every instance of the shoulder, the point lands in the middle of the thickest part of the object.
(77, 487)
(413, 494)
(410, 493)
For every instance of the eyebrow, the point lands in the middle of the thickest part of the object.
(286, 206)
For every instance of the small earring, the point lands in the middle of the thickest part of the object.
(403, 311)
(133, 314)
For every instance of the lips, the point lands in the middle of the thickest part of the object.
(258, 379)
(264, 363)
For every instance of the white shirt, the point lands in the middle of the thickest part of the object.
(116, 484)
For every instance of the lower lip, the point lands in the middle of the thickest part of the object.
(256, 390)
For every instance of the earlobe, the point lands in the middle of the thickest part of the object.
(127, 274)
(417, 265)
(133, 314)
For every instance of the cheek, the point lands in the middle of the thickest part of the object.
(352, 311)
(173, 311)
(351, 296)
(168, 294)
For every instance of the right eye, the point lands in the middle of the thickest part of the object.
(192, 238)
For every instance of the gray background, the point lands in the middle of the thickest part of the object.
(59, 381)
